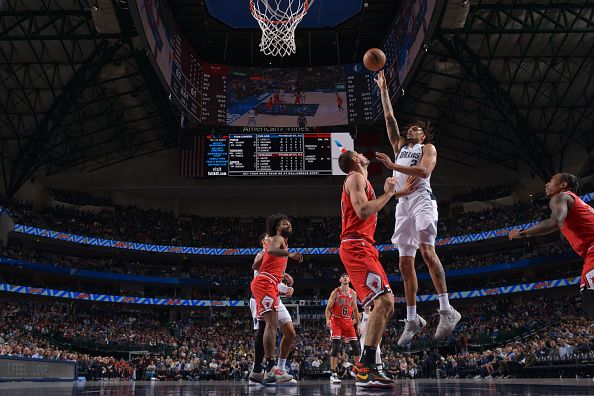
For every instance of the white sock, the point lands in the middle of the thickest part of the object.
(444, 302)
(411, 312)
(281, 363)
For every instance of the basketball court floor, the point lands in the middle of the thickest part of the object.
(463, 387)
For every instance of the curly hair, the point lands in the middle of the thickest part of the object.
(425, 126)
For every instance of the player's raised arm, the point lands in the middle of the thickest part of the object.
(355, 187)
(422, 171)
(331, 302)
(396, 140)
(559, 205)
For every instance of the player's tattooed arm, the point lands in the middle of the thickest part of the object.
(364, 208)
(559, 205)
(329, 305)
(396, 140)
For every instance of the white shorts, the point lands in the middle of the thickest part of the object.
(283, 313)
(416, 220)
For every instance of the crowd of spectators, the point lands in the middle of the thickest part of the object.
(240, 274)
(154, 226)
(207, 344)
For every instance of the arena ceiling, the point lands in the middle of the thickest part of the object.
(505, 82)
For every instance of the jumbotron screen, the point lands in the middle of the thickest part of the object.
(276, 152)
(217, 94)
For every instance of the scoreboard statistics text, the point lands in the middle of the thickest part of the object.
(274, 154)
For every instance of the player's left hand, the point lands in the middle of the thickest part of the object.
(389, 185)
(380, 80)
(289, 279)
(514, 234)
(296, 256)
(386, 160)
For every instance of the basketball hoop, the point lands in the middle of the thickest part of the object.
(278, 20)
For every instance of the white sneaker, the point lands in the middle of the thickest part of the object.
(292, 381)
(411, 328)
(448, 319)
(334, 379)
(276, 376)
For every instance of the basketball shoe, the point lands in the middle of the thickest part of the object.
(411, 328)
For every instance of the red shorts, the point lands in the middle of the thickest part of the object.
(265, 292)
(588, 270)
(342, 328)
(360, 258)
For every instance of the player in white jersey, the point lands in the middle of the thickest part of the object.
(363, 330)
(416, 217)
(252, 117)
(285, 323)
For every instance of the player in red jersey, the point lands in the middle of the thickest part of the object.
(339, 318)
(265, 290)
(360, 258)
(575, 219)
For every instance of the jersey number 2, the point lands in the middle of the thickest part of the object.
(413, 162)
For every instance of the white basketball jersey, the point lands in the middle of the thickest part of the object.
(411, 156)
(364, 320)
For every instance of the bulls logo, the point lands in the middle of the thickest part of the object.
(267, 302)
(374, 282)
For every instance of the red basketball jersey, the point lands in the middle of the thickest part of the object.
(578, 226)
(354, 227)
(343, 306)
(273, 265)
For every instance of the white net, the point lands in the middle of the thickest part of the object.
(278, 20)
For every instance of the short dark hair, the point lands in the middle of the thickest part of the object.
(344, 274)
(425, 126)
(273, 221)
(345, 161)
(572, 181)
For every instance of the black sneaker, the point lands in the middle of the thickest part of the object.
(371, 378)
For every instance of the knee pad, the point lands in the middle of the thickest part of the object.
(407, 250)
(355, 348)
(335, 348)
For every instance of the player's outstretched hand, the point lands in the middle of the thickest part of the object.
(386, 160)
(289, 292)
(514, 234)
(409, 187)
(389, 185)
(380, 80)
(296, 256)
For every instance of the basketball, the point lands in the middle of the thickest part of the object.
(374, 59)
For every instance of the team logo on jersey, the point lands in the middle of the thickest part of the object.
(374, 282)
(267, 302)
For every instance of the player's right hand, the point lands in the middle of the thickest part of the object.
(296, 256)
(389, 185)
(328, 323)
(380, 80)
(409, 186)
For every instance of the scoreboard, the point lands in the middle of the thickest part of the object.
(359, 87)
(279, 153)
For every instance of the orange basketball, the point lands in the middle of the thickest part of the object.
(374, 59)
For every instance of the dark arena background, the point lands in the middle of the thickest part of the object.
(144, 143)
